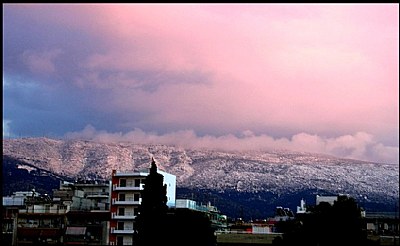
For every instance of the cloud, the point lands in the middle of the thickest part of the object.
(257, 75)
(41, 62)
(7, 129)
(360, 146)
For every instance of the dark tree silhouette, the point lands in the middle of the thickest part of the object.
(154, 196)
(151, 221)
(189, 227)
(156, 224)
(326, 225)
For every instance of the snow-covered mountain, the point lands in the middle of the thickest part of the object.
(275, 172)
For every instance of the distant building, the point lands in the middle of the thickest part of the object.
(41, 221)
(126, 199)
(87, 228)
(72, 197)
(11, 206)
(218, 220)
(94, 195)
(71, 217)
(302, 208)
(88, 217)
(283, 214)
(329, 199)
(382, 223)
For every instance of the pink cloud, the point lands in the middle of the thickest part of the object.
(328, 70)
(360, 146)
(314, 62)
(41, 62)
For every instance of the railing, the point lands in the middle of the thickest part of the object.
(43, 211)
(127, 201)
(97, 193)
(127, 215)
(125, 230)
(36, 225)
(128, 186)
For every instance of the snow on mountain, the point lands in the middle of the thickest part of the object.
(277, 172)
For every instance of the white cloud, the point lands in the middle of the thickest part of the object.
(6, 128)
(359, 146)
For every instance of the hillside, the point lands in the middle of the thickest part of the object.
(255, 180)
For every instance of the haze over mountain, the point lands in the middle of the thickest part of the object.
(261, 177)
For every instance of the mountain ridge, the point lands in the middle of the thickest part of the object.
(266, 175)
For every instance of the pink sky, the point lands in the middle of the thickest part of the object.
(324, 70)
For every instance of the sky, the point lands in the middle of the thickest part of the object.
(320, 78)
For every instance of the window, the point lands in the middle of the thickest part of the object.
(122, 182)
(120, 241)
(136, 197)
(137, 182)
(120, 226)
(121, 197)
(121, 211)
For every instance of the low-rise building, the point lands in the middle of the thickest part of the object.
(41, 221)
(88, 217)
(87, 228)
(11, 206)
(329, 199)
(98, 192)
(77, 214)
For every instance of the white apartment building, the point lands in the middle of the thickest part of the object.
(126, 198)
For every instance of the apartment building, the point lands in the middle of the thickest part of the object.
(11, 206)
(96, 193)
(78, 214)
(88, 218)
(126, 199)
(41, 221)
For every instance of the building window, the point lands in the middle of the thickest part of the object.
(121, 211)
(120, 241)
(137, 182)
(121, 197)
(136, 197)
(120, 226)
(122, 182)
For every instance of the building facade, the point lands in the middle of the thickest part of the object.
(41, 221)
(78, 214)
(88, 218)
(126, 198)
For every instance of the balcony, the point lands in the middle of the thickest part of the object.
(126, 216)
(97, 194)
(125, 230)
(130, 186)
(127, 201)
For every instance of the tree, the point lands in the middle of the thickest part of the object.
(326, 225)
(156, 224)
(151, 221)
